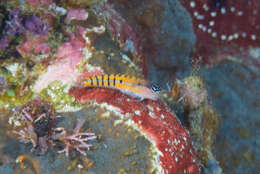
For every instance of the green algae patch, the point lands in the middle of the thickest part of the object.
(14, 89)
(57, 94)
(12, 98)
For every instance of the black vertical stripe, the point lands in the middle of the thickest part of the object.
(108, 80)
(114, 81)
(97, 80)
(91, 81)
(102, 80)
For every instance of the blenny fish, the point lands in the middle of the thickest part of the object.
(136, 87)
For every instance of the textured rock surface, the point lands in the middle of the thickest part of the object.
(235, 95)
(159, 32)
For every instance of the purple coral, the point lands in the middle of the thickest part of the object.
(36, 26)
(12, 28)
(16, 24)
(4, 42)
(77, 140)
(3, 84)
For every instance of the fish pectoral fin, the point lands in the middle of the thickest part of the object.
(139, 99)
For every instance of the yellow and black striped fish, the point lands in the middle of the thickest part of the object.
(131, 85)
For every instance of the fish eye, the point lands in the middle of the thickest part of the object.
(155, 88)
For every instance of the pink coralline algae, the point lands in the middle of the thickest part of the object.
(36, 37)
(68, 57)
(36, 34)
(156, 121)
(34, 44)
(225, 28)
(77, 14)
(39, 2)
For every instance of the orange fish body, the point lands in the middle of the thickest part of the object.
(130, 85)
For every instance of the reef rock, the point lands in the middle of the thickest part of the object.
(152, 119)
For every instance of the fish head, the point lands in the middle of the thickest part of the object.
(150, 91)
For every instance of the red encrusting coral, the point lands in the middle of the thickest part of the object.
(225, 28)
(156, 121)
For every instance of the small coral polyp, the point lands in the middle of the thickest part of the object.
(191, 91)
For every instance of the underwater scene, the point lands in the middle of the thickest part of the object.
(129, 86)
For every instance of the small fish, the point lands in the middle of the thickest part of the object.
(133, 86)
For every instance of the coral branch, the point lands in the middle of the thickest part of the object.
(77, 140)
(27, 135)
